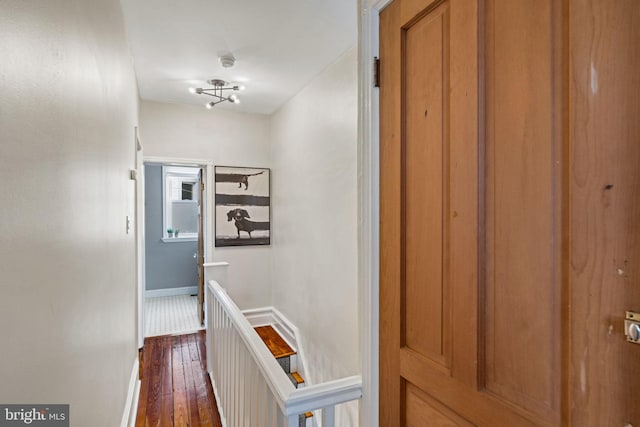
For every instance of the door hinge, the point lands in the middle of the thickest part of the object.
(376, 72)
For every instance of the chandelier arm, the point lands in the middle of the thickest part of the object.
(213, 94)
(218, 88)
(217, 92)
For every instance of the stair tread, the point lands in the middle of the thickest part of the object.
(274, 342)
(296, 376)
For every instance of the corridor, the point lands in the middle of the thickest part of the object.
(176, 390)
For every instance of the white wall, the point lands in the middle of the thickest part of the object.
(67, 117)
(226, 138)
(314, 194)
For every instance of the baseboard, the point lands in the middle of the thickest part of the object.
(185, 290)
(287, 330)
(271, 316)
(260, 316)
(131, 404)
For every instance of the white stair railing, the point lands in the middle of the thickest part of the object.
(251, 388)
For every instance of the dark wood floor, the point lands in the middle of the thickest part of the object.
(175, 389)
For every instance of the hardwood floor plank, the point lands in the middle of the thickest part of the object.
(167, 378)
(204, 406)
(211, 398)
(201, 337)
(166, 411)
(144, 386)
(175, 389)
(155, 386)
(193, 349)
(180, 409)
(192, 399)
(177, 366)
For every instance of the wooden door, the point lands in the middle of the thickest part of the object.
(201, 246)
(488, 257)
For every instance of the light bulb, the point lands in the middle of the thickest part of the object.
(241, 88)
(192, 89)
(210, 105)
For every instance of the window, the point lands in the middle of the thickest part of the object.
(181, 206)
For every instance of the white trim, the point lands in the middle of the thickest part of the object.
(271, 316)
(170, 292)
(260, 316)
(218, 271)
(325, 395)
(280, 385)
(140, 238)
(177, 161)
(291, 401)
(133, 393)
(287, 330)
(223, 419)
(179, 239)
(369, 209)
(208, 208)
(167, 214)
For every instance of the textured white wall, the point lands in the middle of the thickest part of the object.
(67, 117)
(314, 188)
(226, 138)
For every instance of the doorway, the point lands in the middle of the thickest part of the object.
(175, 208)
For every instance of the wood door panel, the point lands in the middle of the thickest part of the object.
(439, 296)
(509, 176)
(425, 183)
(422, 410)
(484, 409)
(605, 189)
(523, 191)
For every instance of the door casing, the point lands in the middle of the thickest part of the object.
(207, 167)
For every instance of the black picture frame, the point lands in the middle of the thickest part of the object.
(242, 206)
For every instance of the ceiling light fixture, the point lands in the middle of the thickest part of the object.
(217, 91)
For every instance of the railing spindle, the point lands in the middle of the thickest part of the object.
(253, 390)
(329, 416)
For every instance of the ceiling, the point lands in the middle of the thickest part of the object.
(279, 46)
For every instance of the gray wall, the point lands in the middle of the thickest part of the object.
(168, 265)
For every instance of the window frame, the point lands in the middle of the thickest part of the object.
(180, 172)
